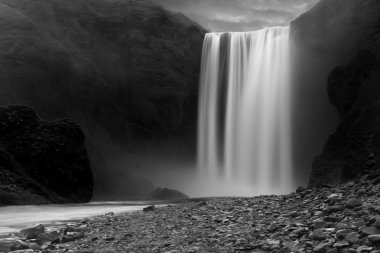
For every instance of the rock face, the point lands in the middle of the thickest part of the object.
(329, 35)
(41, 162)
(354, 89)
(128, 67)
(127, 71)
(168, 194)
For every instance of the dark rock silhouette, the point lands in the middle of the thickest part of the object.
(42, 162)
(328, 35)
(355, 145)
(168, 194)
(127, 71)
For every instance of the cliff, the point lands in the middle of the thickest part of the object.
(40, 161)
(330, 34)
(127, 71)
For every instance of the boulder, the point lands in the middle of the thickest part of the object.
(32, 232)
(168, 194)
(49, 162)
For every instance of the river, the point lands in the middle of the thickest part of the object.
(13, 218)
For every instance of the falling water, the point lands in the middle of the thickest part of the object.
(244, 114)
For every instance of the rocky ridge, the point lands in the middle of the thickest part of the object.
(345, 219)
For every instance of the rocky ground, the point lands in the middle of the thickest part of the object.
(329, 219)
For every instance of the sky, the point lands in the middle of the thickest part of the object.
(239, 15)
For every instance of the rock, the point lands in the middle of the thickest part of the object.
(47, 237)
(322, 247)
(32, 232)
(34, 246)
(149, 208)
(319, 224)
(85, 76)
(325, 34)
(19, 245)
(361, 192)
(341, 234)
(318, 235)
(352, 203)
(168, 194)
(23, 251)
(202, 203)
(374, 238)
(72, 237)
(377, 223)
(341, 244)
(370, 231)
(352, 238)
(272, 228)
(364, 249)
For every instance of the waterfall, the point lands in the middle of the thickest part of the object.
(244, 126)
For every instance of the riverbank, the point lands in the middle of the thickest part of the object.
(340, 219)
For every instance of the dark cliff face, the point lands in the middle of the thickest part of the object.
(127, 71)
(354, 147)
(328, 35)
(42, 162)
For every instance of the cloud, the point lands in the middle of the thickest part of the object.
(239, 15)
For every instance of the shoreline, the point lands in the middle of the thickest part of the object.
(345, 218)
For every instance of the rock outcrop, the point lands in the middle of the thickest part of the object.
(40, 161)
(127, 71)
(354, 89)
(328, 35)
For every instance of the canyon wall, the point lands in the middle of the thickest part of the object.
(331, 34)
(127, 71)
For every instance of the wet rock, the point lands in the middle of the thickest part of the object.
(341, 244)
(318, 235)
(322, 247)
(352, 238)
(72, 237)
(149, 209)
(352, 203)
(377, 223)
(364, 249)
(19, 245)
(374, 238)
(370, 230)
(32, 232)
(47, 237)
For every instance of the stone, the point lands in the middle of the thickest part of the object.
(47, 237)
(374, 238)
(321, 248)
(149, 208)
(377, 223)
(352, 238)
(272, 228)
(19, 245)
(34, 246)
(341, 244)
(361, 192)
(318, 235)
(342, 233)
(319, 224)
(32, 232)
(364, 249)
(370, 230)
(352, 203)
(70, 238)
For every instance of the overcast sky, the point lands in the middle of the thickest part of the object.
(239, 15)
